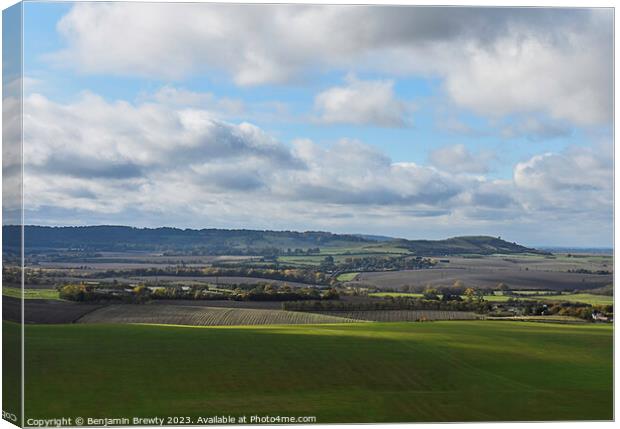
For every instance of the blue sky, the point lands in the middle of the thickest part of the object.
(424, 123)
(425, 132)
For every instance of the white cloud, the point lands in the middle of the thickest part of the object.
(576, 180)
(535, 129)
(494, 61)
(151, 164)
(95, 148)
(350, 173)
(361, 102)
(458, 159)
(110, 157)
(183, 98)
(11, 158)
(531, 74)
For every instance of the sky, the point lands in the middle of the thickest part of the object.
(414, 122)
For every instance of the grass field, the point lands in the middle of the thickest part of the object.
(30, 293)
(367, 372)
(346, 277)
(493, 298)
(396, 295)
(11, 368)
(498, 298)
(587, 298)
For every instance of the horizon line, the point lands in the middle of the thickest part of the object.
(357, 234)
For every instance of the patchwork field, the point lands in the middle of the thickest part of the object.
(420, 372)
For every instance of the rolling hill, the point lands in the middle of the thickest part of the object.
(479, 245)
(236, 241)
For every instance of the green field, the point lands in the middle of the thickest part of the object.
(346, 277)
(396, 295)
(493, 298)
(30, 293)
(498, 298)
(587, 298)
(11, 368)
(366, 372)
(340, 254)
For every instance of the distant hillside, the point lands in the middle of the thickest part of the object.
(480, 245)
(372, 237)
(203, 241)
(235, 241)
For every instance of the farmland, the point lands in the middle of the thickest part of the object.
(420, 372)
(347, 277)
(403, 315)
(204, 316)
(30, 293)
(245, 326)
(533, 272)
(172, 257)
(587, 298)
(44, 311)
(395, 294)
(316, 330)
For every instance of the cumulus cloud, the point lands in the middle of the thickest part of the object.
(103, 156)
(576, 180)
(11, 158)
(458, 159)
(360, 102)
(121, 133)
(89, 143)
(535, 129)
(570, 81)
(494, 61)
(352, 173)
(179, 97)
(151, 163)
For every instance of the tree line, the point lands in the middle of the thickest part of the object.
(142, 293)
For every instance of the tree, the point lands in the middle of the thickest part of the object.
(73, 292)
(331, 294)
(470, 293)
(327, 263)
(431, 294)
(448, 296)
(141, 294)
(504, 288)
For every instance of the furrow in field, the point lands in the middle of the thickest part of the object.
(205, 316)
(402, 315)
